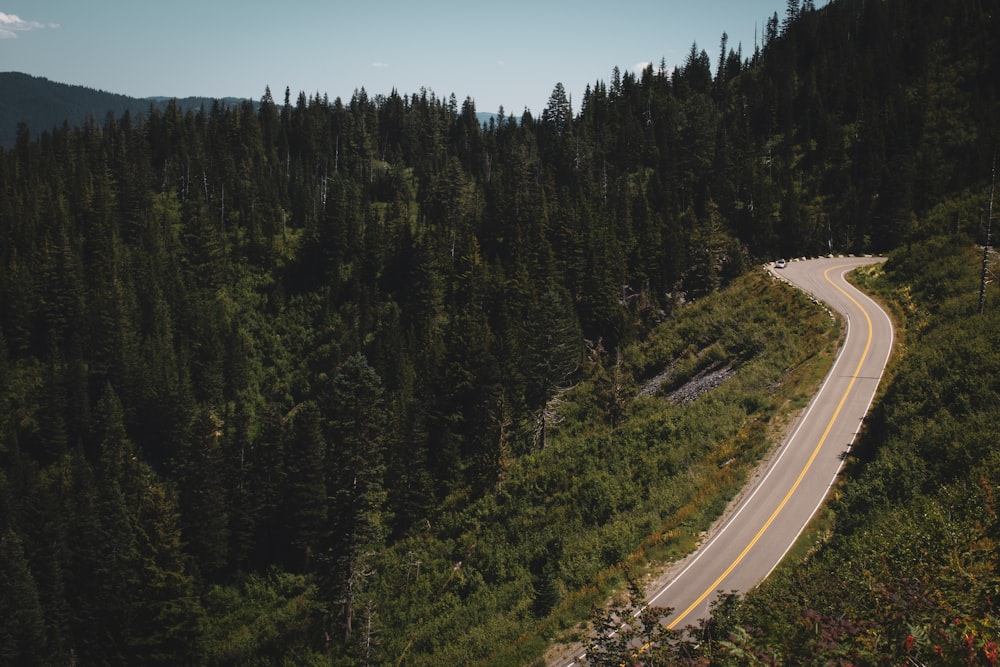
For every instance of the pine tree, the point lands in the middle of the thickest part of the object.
(115, 449)
(305, 507)
(721, 72)
(791, 14)
(355, 470)
(22, 632)
(201, 476)
(168, 616)
(558, 113)
(42, 519)
(264, 488)
(116, 578)
(554, 347)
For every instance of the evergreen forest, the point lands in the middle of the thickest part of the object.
(372, 382)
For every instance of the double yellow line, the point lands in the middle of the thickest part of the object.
(784, 501)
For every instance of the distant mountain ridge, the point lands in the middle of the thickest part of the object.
(43, 105)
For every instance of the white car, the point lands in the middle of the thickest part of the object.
(780, 264)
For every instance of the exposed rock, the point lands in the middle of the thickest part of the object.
(703, 382)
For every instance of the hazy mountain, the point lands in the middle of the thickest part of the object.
(42, 104)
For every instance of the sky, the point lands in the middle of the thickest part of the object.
(508, 54)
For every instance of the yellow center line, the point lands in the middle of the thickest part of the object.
(812, 457)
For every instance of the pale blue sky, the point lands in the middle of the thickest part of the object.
(509, 53)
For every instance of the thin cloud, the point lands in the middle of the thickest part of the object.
(11, 24)
(639, 68)
(380, 65)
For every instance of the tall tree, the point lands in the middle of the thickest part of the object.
(305, 510)
(558, 113)
(201, 467)
(168, 616)
(22, 633)
(554, 348)
(356, 424)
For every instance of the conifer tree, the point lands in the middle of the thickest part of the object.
(554, 346)
(791, 14)
(204, 502)
(558, 112)
(305, 512)
(168, 616)
(356, 425)
(22, 633)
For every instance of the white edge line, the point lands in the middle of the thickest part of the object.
(871, 399)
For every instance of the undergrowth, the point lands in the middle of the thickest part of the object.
(626, 484)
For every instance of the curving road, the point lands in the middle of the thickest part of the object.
(779, 505)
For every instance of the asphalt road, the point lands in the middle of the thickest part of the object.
(774, 512)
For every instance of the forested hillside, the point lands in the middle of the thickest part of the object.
(278, 380)
(41, 104)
